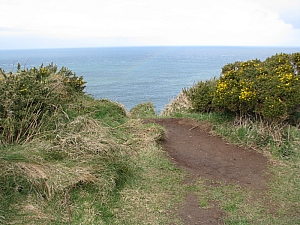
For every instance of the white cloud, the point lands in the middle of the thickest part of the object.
(288, 10)
(151, 22)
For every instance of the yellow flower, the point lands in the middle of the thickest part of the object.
(24, 89)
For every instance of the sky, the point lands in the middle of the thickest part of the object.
(30, 24)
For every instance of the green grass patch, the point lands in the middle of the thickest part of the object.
(109, 113)
(143, 110)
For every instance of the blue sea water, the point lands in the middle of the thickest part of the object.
(132, 75)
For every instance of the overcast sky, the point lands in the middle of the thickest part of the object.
(97, 23)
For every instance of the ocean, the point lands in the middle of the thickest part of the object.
(133, 75)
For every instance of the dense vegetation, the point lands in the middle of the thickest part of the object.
(268, 89)
(31, 99)
(66, 158)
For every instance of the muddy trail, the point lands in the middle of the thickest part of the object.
(192, 148)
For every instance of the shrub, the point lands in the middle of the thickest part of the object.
(71, 81)
(201, 95)
(29, 98)
(235, 88)
(269, 89)
(278, 86)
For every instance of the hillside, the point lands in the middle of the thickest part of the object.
(67, 158)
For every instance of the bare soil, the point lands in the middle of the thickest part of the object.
(192, 147)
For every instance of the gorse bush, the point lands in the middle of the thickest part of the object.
(31, 97)
(270, 89)
(235, 88)
(279, 86)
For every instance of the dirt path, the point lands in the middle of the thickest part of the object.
(192, 148)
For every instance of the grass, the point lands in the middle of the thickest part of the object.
(102, 165)
(95, 169)
(143, 110)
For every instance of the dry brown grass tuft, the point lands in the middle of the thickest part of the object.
(83, 137)
(178, 105)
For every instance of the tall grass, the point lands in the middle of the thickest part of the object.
(280, 139)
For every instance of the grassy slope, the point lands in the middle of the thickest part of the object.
(105, 167)
(95, 169)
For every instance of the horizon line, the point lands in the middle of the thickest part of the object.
(154, 46)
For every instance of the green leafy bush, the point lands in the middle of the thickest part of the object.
(201, 95)
(31, 97)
